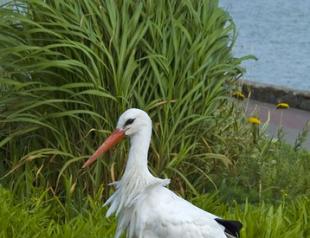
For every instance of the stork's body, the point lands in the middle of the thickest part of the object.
(144, 206)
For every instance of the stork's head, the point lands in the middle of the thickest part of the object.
(130, 123)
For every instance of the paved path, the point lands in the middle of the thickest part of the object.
(291, 120)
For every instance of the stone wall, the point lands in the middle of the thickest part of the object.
(276, 94)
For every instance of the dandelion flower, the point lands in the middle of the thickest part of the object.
(254, 120)
(239, 95)
(282, 105)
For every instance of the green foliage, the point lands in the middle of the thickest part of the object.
(34, 219)
(269, 171)
(69, 68)
(287, 219)
(28, 219)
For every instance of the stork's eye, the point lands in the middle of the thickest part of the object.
(129, 121)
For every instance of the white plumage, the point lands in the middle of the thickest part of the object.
(145, 208)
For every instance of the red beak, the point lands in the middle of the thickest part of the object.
(112, 140)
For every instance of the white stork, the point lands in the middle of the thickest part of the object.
(145, 208)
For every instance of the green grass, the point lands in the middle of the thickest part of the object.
(35, 219)
(267, 172)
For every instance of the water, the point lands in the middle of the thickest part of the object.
(277, 32)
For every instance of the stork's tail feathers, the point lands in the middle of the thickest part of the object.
(232, 228)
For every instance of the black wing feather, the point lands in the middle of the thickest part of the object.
(231, 227)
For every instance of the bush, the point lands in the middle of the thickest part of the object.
(69, 68)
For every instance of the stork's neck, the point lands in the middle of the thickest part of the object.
(139, 146)
(136, 178)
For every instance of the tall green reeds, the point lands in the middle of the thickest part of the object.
(69, 68)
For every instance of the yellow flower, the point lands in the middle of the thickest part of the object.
(282, 105)
(254, 120)
(239, 95)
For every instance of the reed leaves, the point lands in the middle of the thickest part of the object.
(69, 68)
